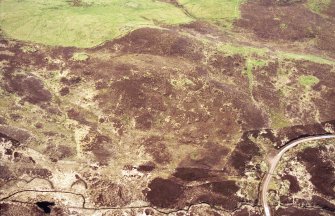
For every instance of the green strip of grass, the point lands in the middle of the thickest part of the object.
(312, 58)
(232, 49)
(58, 22)
(220, 11)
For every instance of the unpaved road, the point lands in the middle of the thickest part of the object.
(273, 162)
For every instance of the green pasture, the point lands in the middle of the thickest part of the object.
(62, 23)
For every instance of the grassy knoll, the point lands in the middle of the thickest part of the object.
(84, 24)
(80, 56)
(308, 80)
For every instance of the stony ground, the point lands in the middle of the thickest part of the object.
(172, 119)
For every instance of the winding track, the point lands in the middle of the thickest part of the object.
(273, 162)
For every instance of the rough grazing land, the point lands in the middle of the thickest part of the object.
(165, 107)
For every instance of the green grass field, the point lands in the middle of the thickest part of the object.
(221, 11)
(58, 22)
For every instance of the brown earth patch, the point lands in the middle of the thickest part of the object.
(320, 168)
(35, 172)
(282, 211)
(243, 153)
(211, 156)
(16, 135)
(268, 21)
(157, 42)
(149, 212)
(252, 117)
(28, 86)
(280, 137)
(330, 11)
(191, 174)
(3, 120)
(228, 64)
(99, 145)
(156, 147)
(239, 161)
(72, 80)
(216, 193)
(294, 184)
(19, 209)
(58, 152)
(288, 21)
(226, 188)
(266, 91)
(20, 157)
(201, 27)
(108, 194)
(146, 167)
(323, 203)
(164, 193)
(22, 59)
(298, 131)
(6, 174)
(144, 121)
(230, 203)
(64, 91)
(247, 212)
(134, 94)
(281, 2)
(78, 3)
(325, 39)
(5, 138)
(77, 116)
